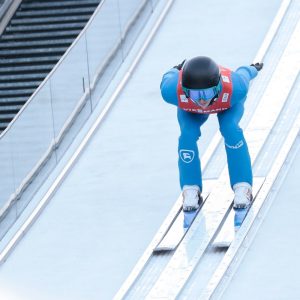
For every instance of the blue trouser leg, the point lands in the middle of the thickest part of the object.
(238, 158)
(188, 154)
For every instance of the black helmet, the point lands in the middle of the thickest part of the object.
(200, 72)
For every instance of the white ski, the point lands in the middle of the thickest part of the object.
(235, 220)
(178, 229)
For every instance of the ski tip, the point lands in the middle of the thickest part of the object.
(161, 250)
(224, 245)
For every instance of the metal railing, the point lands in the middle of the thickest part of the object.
(7, 9)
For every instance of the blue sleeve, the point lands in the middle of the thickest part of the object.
(168, 86)
(240, 80)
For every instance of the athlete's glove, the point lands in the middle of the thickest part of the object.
(179, 67)
(257, 66)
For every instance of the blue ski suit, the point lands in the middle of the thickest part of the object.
(238, 158)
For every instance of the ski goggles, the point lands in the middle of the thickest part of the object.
(203, 94)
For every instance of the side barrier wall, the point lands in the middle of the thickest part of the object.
(37, 138)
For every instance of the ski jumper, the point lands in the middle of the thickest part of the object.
(229, 108)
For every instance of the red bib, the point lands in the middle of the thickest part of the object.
(220, 104)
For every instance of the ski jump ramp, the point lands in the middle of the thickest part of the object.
(196, 270)
(107, 209)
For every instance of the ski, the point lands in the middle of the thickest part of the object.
(178, 229)
(235, 220)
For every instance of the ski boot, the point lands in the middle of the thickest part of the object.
(241, 203)
(192, 201)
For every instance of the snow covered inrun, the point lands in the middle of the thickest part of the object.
(92, 239)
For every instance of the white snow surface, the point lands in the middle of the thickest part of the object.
(270, 268)
(109, 207)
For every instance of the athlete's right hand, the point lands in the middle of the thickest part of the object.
(179, 67)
